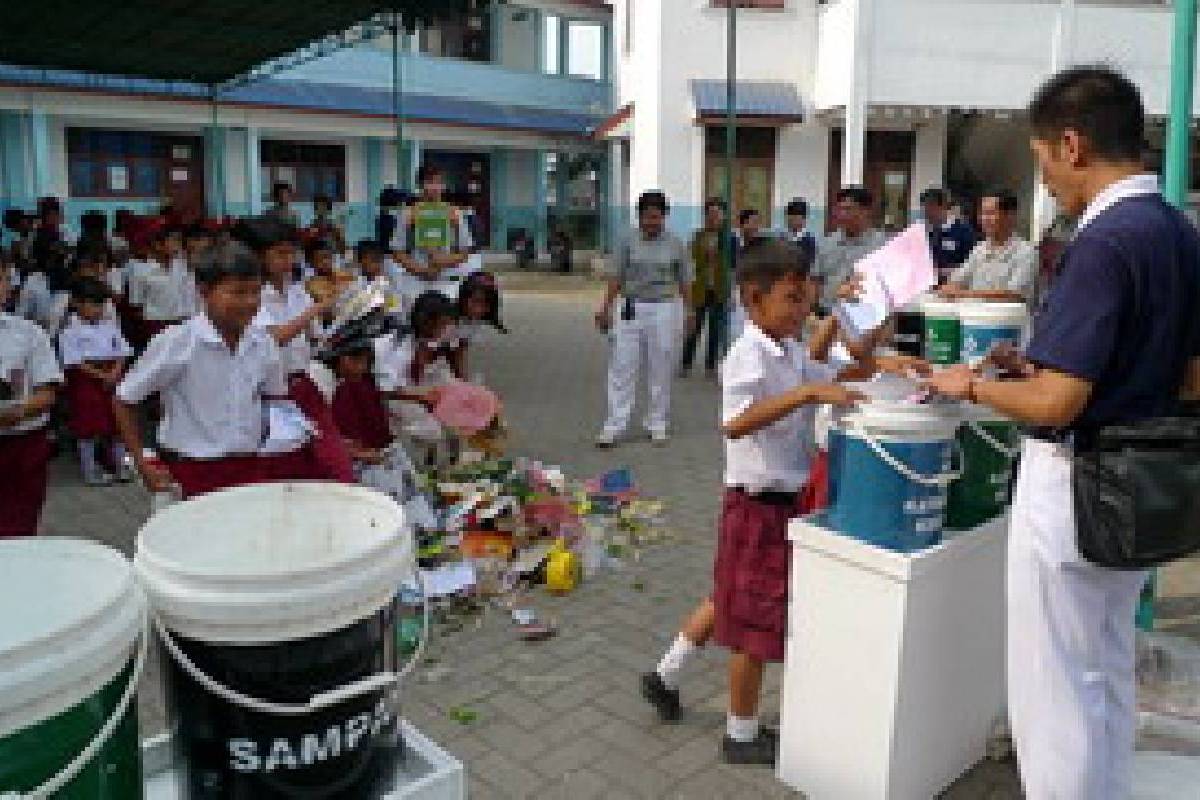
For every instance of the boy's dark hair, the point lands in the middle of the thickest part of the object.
(745, 214)
(391, 197)
(261, 233)
(653, 199)
(368, 247)
(91, 253)
(316, 246)
(798, 207)
(1006, 200)
(714, 202)
(427, 310)
(89, 290)
(322, 199)
(765, 262)
(1098, 102)
(227, 261)
(197, 230)
(278, 187)
(428, 172)
(936, 196)
(859, 195)
(484, 285)
(94, 223)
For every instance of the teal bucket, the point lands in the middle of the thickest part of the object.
(69, 667)
(890, 466)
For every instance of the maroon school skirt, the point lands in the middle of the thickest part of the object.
(750, 580)
(23, 478)
(326, 457)
(90, 404)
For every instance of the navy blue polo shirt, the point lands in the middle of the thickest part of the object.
(951, 244)
(1123, 314)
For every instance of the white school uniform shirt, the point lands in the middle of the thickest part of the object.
(27, 362)
(82, 341)
(213, 398)
(136, 272)
(757, 367)
(162, 291)
(393, 362)
(37, 303)
(280, 308)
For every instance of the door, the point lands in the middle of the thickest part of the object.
(753, 168)
(184, 163)
(887, 173)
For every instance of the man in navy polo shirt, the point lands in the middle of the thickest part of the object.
(950, 241)
(1115, 342)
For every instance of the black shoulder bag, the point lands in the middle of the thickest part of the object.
(1137, 493)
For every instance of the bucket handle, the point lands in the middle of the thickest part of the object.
(319, 701)
(938, 481)
(57, 782)
(992, 441)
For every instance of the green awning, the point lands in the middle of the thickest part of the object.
(203, 41)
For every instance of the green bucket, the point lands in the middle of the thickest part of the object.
(943, 332)
(71, 663)
(989, 449)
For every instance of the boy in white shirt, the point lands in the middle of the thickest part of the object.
(29, 381)
(214, 374)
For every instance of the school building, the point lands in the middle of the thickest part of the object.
(506, 98)
(899, 95)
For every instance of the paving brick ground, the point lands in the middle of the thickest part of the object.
(562, 719)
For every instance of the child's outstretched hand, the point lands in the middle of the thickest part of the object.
(903, 365)
(834, 394)
(851, 288)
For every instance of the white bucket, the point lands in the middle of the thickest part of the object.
(274, 562)
(72, 615)
(986, 324)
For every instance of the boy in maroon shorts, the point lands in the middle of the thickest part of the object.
(771, 387)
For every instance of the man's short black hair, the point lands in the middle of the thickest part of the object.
(798, 207)
(714, 202)
(936, 196)
(322, 199)
(859, 195)
(368, 247)
(745, 214)
(653, 199)
(1099, 103)
(279, 187)
(1005, 199)
(428, 172)
(89, 290)
(765, 262)
(227, 261)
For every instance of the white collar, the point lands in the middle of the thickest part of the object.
(1114, 193)
(775, 348)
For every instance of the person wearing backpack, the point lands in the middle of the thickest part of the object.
(1115, 348)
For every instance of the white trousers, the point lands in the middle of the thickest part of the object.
(1070, 645)
(658, 329)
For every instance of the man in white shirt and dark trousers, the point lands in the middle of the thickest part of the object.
(651, 274)
(1115, 343)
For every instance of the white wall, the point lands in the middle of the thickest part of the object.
(802, 166)
(356, 175)
(835, 55)
(929, 159)
(235, 167)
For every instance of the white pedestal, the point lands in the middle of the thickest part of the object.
(895, 663)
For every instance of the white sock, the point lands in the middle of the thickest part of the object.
(673, 660)
(87, 457)
(741, 729)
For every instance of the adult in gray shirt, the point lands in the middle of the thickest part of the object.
(650, 274)
(853, 239)
(1003, 266)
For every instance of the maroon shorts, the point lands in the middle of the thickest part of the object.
(201, 477)
(23, 476)
(750, 579)
(91, 405)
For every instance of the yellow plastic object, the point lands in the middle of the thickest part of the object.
(563, 569)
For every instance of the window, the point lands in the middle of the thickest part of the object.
(131, 164)
(551, 31)
(585, 50)
(310, 169)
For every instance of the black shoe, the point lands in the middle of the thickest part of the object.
(761, 752)
(664, 700)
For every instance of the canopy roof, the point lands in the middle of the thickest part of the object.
(203, 41)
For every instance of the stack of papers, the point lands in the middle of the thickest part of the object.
(892, 277)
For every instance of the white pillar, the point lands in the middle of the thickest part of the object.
(1062, 54)
(253, 171)
(854, 140)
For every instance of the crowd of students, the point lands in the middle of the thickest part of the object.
(259, 350)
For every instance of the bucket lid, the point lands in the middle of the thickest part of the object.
(73, 612)
(941, 309)
(987, 312)
(973, 412)
(274, 562)
(909, 420)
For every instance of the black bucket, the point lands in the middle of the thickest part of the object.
(909, 338)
